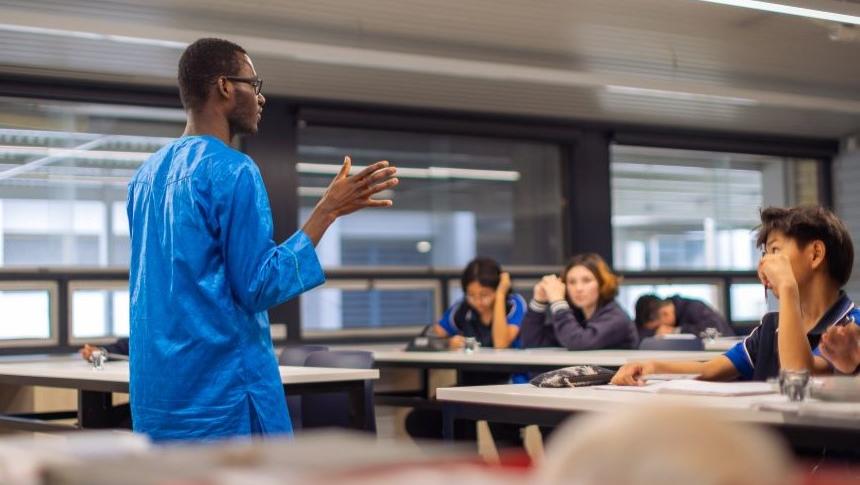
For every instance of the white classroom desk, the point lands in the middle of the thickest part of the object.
(519, 360)
(525, 404)
(722, 344)
(95, 387)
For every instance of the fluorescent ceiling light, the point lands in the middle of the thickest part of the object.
(420, 173)
(100, 155)
(680, 95)
(93, 36)
(790, 10)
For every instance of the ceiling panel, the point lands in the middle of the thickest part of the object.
(763, 72)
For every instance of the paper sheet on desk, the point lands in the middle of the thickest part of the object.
(698, 388)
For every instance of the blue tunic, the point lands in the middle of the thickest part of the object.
(204, 269)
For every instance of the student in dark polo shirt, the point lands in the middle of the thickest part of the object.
(808, 257)
(676, 314)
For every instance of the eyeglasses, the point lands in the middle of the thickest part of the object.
(255, 82)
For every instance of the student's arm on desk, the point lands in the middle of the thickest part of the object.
(716, 369)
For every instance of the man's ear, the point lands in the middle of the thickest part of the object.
(223, 88)
(817, 253)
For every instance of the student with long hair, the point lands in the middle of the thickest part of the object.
(578, 311)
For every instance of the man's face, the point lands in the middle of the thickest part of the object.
(247, 107)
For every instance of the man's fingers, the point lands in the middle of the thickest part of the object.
(381, 175)
(375, 189)
(345, 168)
(370, 169)
(379, 203)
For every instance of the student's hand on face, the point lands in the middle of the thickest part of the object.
(631, 374)
(87, 351)
(664, 330)
(349, 193)
(774, 271)
(539, 292)
(456, 342)
(504, 284)
(554, 288)
(840, 345)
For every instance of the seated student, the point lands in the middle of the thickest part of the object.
(808, 259)
(578, 311)
(120, 347)
(676, 314)
(489, 312)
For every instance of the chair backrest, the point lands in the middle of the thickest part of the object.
(333, 409)
(297, 355)
(653, 343)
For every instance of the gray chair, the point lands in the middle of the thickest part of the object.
(653, 343)
(333, 409)
(296, 356)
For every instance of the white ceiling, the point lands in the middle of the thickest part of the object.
(680, 63)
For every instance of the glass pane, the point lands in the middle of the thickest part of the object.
(458, 197)
(748, 302)
(100, 313)
(64, 168)
(336, 309)
(26, 314)
(708, 293)
(684, 209)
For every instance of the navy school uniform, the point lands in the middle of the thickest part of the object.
(559, 325)
(462, 319)
(757, 356)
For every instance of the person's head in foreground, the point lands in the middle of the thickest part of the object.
(217, 81)
(663, 445)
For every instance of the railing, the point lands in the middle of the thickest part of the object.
(40, 306)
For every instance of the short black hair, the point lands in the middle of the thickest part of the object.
(487, 272)
(646, 308)
(805, 224)
(201, 63)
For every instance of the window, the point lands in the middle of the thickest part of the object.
(99, 310)
(708, 293)
(29, 310)
(64, 168)
(374, 304)
(459, 197)
(684, 209)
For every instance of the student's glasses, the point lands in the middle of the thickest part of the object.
(255, 82)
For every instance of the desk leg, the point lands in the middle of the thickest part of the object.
(359, 415)
(95, 410)
(448, 416)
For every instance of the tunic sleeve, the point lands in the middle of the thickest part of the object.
(261, 274)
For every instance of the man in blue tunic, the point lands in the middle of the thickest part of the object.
(204, 268)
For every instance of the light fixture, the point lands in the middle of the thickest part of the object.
(790, 10)
(681, 95)
(420, 173)
(26, 29)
